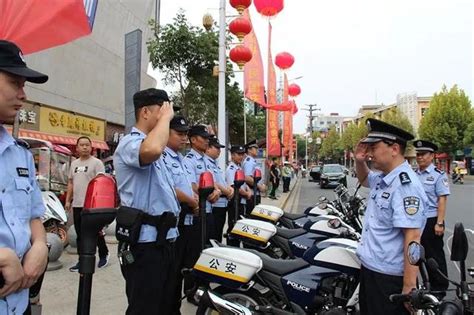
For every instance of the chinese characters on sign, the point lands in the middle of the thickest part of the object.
(214, 263)
(27, 116)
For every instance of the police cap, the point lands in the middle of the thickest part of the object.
(213, 141)
(12, 61)
(251, 144)
(237, 149)
(380, 130)
(199, 130)
(424, 145)
(179, 123)
(151, 96)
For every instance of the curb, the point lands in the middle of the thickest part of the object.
(287, 197)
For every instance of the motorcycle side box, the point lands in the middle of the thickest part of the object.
(253, 231)
(267, 213)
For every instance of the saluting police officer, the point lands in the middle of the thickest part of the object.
(196, 164)
(219, 209)
(436, 186)
(23, 251)
(395, 216)
(237, 155)
(249, 165)
(145, 184)
(187, 244)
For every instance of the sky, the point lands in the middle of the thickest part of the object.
(360, 52)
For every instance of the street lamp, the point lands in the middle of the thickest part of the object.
(308, 140)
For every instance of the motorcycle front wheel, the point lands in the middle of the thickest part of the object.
(249, 299)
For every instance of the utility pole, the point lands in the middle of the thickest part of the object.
(311, 108)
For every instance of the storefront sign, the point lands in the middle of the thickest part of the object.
(69, 124)
(29, 116)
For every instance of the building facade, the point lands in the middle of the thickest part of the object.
(85, 91)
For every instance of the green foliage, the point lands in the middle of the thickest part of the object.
(394, 117)
(186, 55)
(447, 120)
(330, 148)
(469, 133)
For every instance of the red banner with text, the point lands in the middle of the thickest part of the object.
(273, 141)
(287, 122)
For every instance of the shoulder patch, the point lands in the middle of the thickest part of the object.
(404, 178)
(445, 182)
(411, 205)
(22, 143)
(439, 171)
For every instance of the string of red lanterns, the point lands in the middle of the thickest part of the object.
(269, 8)
(294, 90)
(240, 27)
(240, 5)
(284, 60)
(240, 54)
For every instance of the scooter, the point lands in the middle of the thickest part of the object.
(54, 218)
(457, 178)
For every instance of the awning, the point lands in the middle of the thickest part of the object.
(58, 139)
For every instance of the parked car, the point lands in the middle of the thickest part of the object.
(315, 173)
(333, 175)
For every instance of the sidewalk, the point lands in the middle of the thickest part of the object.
(282, 197)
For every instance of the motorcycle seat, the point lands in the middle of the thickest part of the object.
(294, 216)
(280, 267)
(290, 233)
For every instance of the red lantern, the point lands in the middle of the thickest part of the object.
(240, 27)
(294, 90)
(240, 55)
(268, 8)
(240, 5)
(284, 60)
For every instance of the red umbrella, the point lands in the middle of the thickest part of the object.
(37, 25)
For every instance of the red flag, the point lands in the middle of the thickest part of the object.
(287, 120)
(37, 25)
(273, 142)
(253, 70)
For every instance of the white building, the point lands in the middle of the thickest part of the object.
(323, 123)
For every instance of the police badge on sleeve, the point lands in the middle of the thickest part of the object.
(411, 205)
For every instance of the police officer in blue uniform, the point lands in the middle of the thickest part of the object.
(219, 209)
(244, 193)
(23, 251)
(395, 216)
(436, 186)
(196, 165)
(145, 185)
(249, 165)
(187, 244)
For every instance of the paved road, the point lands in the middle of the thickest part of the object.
(460, 209)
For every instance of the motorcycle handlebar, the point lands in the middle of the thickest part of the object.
(399, 298)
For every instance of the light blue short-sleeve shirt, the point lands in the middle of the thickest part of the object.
(436, 184)
(220, 179)
(396, 201)
(249, 165)
(180, 175)
(20, 202)
(230, 175)
(196, 164)
(149, 188)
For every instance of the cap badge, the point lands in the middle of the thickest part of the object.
(419, 143)
(182, 122)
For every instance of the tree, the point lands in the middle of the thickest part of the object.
(330, 148)
(469, 133)
(447, 119)
(395, 117)
(185, 54)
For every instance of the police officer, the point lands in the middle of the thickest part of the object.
(144, 183)
(249, 165)
(196, 165)
(395, 216)
(219, 209)
(244, 193)
(187, 244)
(436, 186)
(23, 251)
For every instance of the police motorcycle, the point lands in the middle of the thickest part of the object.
(426, 301)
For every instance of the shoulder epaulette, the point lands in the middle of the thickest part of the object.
(189, 155)
(22, 143)
(439, 171)
(404, 178)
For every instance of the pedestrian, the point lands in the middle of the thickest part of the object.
(196, 164)
(274, 178)
(82, 170)
(23, 251)
(286, 176)
(219, 209)
(237, 155)
(436, 186)
(146, 188)
(395, 216)
(249, 165)
(188, 246)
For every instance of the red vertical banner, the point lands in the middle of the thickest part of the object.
(287, 121)
(253, 71)
(273, 142)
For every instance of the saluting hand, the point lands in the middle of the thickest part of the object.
(361, 152)
(166, 111)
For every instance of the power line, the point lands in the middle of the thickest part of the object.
(311, 108)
